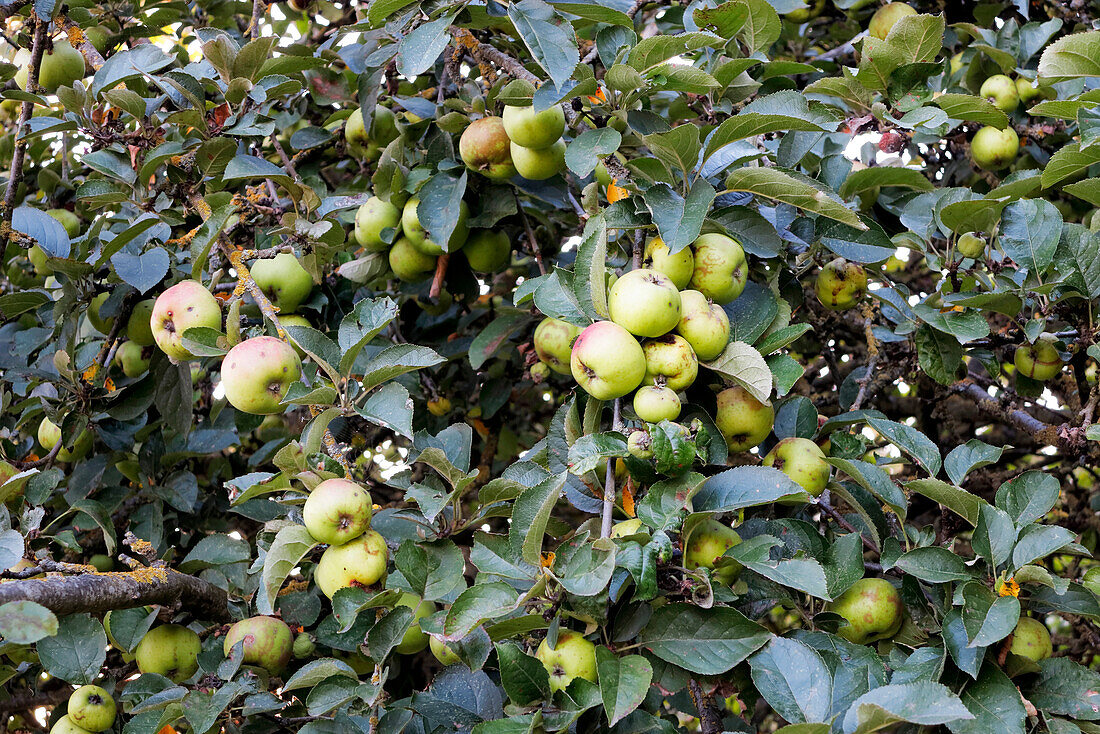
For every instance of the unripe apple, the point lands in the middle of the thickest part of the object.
(554, 343)
(443, 652)
(1001, 92)
(61, 66)
(640, 445)
(873, 609)
(92, 708)
(373, 217)
(169, 650)
(1029, 92)
(1031, 640)
(139, 327)
(65, 725)
(186, 305)
(408, 263)
(383, 126)
(415, 639)
(841, 284)
(626, 528)
(1039, 361)
(720, 269)
(885, 18)
(39, 260)
(133, 359)
(606, 361)
(485, 148)
(801, 15)
(803, 461)
(970, 245)
(644, 302)
(742, 419)
(488, 251)
(704, 324)
(540, 372)
(533, 129)
(68, 220)
(573, 657)
(268, 642)
(671, 360)
(418, 236)
(49, 434)
(283, 280)
(361, 562)
(102, 562)
(539, 164)
(656, 404)
(708, 541)
(1091, 580)
(99, 323)
(337, 511)
(257, 373)
(304, 645)
(956, 63)
(678, 267)
(355, 135)
(440, 406)
(993, 149)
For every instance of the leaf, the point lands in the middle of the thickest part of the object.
(774, 184)
(1075, 259)
(921, 702)
(1068, 162)
(46, 231)
(530, 514)
(801, 573)
(972, 108)
(1071, 57)
(959, 501)
(987, 617)
(917, 37)
(974, 454)
(911, 441)
(441, 206)
(940, 355)
(584, 151)
(624, 682)
(417, 51)
(523, 677)
(77, 652)
(995, 703)
(994, 535)
(1030, 230)
(1028, 497)
(548, 36)
(762, 28)
(794, 680)
(746, 125)
(884, 176)
(704, 641)
(25, 622)
(590, 269)
(495, 336)
(397, 360)
(290, 546)
(745, 366)
(679, 220)
(875, 480)
(363, 323)
(934, 564)
(1065, 688)
(742, 487)
(141, 271)
(1087, 190)
(1039, 541)
(475, 605)
(655, 50)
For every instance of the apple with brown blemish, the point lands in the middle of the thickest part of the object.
(186, 305)
(257, 373)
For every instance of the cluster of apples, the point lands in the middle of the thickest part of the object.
(523, 142)
(90, 709)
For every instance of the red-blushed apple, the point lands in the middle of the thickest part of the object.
(554, 343)
(1031, 640)
(485, 148)
(607, 362)
(257, 373)
(1000, 91)
(267, 642)
(993, 149)
(1039, 361)
(708, 542)
(139, 327)
(361, 562)
(49, 434)
(133, 358)
(670, 360)
(573, 657)
(415, 639)
(704, 324)
(92, 708)
(337, 511)
(539, 164)
(873, 610)
(283, 280)
(186, 305)
(742, 419)
(408, 263)
(803, 461)
(644, 302)
(488, 251)
(720, 270)
(841, 284)
(678, 267)
(169, 650)
(533, 129)
(373, 217)
(418, 236)
(656, 404)
(443, 652)
(886, 17)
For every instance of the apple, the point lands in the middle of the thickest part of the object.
(678, 267)
(485, 148)
(68, 220)
(970, 245)
(337, 511)
(540, 372)
(1039, 361)
(304, 645)
(294, 319)
(99, 36)
(383, 126)
(186, 305)
(885, 18)
(802, 15)
(66, 725)
(361, 562)
(488, 251)
(993, 149)
(533, 129)
(573, 657)
(538, 164)
(408, 263)
(257, 373)
(139, 327)
(169, 650)
(656, 404)
(133, 359)
(92, 708)
(267, 642)
(440, 406)
(415, 639)
(803, 461)
(873, 610)
(61, 66)
(670, 360)
(841, 284)
(639, 444)
(1031, 640)
(1001, 92)
(49, 434)
(283, 280)
(443, 652)
(644, 302)
(373, 217)
(606, 361)
(418, 236)
(102, 562)
(708, 541)
(704, 324)
(1029, 92)
(99, 323)
(355, 135)
(39, 260)
(554, 343)
(720, 269)
(742, 419)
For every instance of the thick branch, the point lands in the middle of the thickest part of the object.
(1067, 438)
(78, 39)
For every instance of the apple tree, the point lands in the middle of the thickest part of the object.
(548, 366)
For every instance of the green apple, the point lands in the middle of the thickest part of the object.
(139, 327)
(607, 361)
(1001, 92)
(257, 373)
(408, 263)
(485, 148)
(1039, 361)
(656, 404)
(337, 511)
(361, 562)
(554, 343)
(1031, 640)
(133, 359)
(304, 646)
(68, 220)
(1091, 580)
(678, 267)
(267, 642)
(573, 657)
(443, 652)
(383, 126)
(742, 419)
(61, 66)
(99, 323)
(803, 461)
(704, 324)
(373, 217)
(708, 541)
(539, 164)
(488, 251)
(294, 319)
(40, 261)
(841, 284)
(970, 245)
(640, 445)
(186, 305)
(533, 129)
(670, 360)
(283, 280)
(885, 18)
(102, 562)
(355, 135)
(802, 15)
(993, 149)
(415, 639)
(873, 610)
(1028, 91)
(92, 708)
(169, 650)
(49, 434)
(720, 270)
(418, 236)
(65, 725)
(644, 302)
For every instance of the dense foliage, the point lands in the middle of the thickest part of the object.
(752, 389)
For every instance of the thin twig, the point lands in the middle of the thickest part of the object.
(287, 163)
(531, 241)
(609, 478)
(831, 511)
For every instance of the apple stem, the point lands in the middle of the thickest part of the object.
(609, 480)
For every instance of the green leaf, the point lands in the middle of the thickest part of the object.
(974, 454)
(995, 704)
(585, 150)
(1087, 190)
(934, 564)
(884, 176)
(495, 336)
(316, 671)
(940, 355)
(746, 125)
(290, 546)
(360, 325)
(725, 20)
(25, 622)
(875, 480)
(742, 487)
(773, 183)
(76, 652)
(1068, 162)
(1030, 230)
(794, 680)
(679, 220)
(397, 360)
(762, 28)
(624, 682)
(655, 50)
(911, 441)
(972, 108)
(921, 702)
(1071, 57)
(744, 365)
(962, 503)
(389, 630)
(523, 677)
(530, 515)
(801, 573)
(1028, 497)
(1039, 541)
(677, 148)
(1075, 259)
(704, 641)
(1065, 688)
(548, 36)
(987, 617)
(994, 535)
(590, 269)
(476, 605)
(595, 12)
(417, 51)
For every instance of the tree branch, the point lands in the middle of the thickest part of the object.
(79, 40)
(15, 177)
(1069, 439)
(609, 478)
